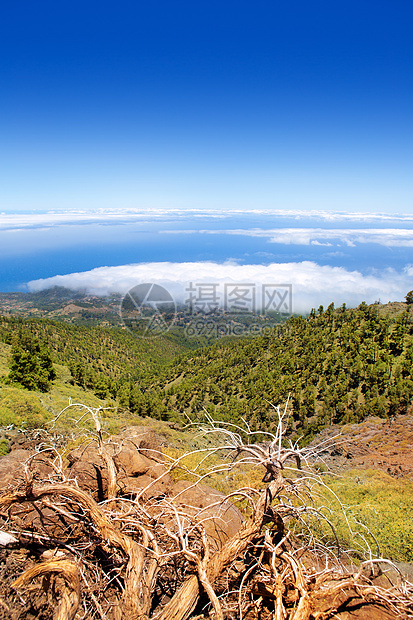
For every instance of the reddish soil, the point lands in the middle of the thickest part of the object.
(374, 444)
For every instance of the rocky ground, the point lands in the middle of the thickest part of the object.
(107, 532)
(374, 444)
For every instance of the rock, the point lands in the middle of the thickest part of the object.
(156, 489)
(13, 465)
(135, 470)
(139, 472)
(12, 468)
(220, 517)
(52, 554)
(85, 452)
(130, 462)
(89, 470)
(145, 440)
(43, 520)
(91, 477)
(7, 539)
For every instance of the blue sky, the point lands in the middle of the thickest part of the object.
(207, 105)
(126, 129)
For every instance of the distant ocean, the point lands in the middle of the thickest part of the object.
(37, 246)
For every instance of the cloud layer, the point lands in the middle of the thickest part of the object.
(22, 220)
(312, 284)
(388, 237)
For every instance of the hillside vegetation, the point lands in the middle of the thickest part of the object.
(339, 366)
(100, 359)
(336, 366)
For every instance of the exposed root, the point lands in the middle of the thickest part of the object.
(68, 556)
(65, 590)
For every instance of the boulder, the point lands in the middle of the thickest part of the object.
(135, 469)
(136, 472)
(151, 487)
(219, 516)
(145, 440)
(13, 466)
(89, 470)
(130, 462)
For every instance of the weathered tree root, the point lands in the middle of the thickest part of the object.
(69, 593)
(136, 598)
(281, 580)
(182, 604)
(155, 562)
(140, 574)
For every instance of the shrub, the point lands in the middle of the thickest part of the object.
(21, 409)
(4, 447)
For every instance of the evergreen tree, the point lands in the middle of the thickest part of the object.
(30, 365)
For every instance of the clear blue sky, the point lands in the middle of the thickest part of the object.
(206, 104)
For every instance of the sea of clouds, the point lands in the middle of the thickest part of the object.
(52, 219)
(312, 284)
(328, 237)
(341, 234)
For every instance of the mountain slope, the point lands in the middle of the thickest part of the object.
(338, 365)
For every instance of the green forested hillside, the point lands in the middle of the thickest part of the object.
(339, 365)
(100, 359)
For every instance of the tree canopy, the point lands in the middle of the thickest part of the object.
(31, 364)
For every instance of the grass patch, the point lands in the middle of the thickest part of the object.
(4, 447)
(21, 408)
(30, 409)
(377, 503)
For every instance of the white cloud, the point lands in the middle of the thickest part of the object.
(21, 220)
(326, 244)
(388, 237)
(312, 284)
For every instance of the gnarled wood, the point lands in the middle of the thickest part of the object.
(136, 586)
(160, 550)
(68, 602)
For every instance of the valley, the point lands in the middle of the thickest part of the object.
(341, 377)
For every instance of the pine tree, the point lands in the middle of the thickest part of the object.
(30, 365)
